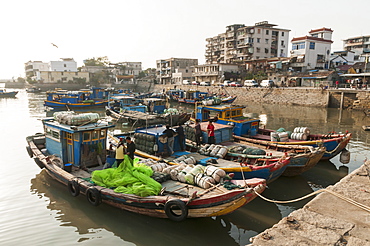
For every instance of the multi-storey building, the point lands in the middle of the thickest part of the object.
(62, 77)
(313, 51)
(128, 68)
(32, 66)
(360, 45)
(175, 70)
(242, 43)
(214, 73)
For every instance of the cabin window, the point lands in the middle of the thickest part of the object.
(53, 134)
(95, 135)
(76, 137)
(233, 113)
(102, 134)
(86, 136)
(238, 112)
(227, 114)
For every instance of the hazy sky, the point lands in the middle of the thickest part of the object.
(148, 30)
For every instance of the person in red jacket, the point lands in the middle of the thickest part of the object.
(211, 132)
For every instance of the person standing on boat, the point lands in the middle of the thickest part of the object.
(181, 136)
(211, 132)
(130, 150)
(170, 139)
(198, 132)
(120, 152)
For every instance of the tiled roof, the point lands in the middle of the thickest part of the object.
(311, 38)
(321, 29)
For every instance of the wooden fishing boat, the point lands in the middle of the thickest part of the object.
(33, 90)
(72, 154)
(151, 143)
(85, 98)
(302, 158)
(4, 93)
(248, 130)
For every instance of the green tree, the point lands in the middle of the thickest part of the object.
(98, 61)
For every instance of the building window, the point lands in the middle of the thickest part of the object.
(312, 45)
(258, 40)
(266, 40)
(258, 49)
(259, 31)
(282, 34)
(267, 32)
(266, 50)
(282, 42)
(298, 46)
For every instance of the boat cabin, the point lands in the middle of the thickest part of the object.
(155, 105)
(128, 103)
(229, 115)
(64, 96)
(83, 145)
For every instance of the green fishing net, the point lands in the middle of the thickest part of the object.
(129, 178)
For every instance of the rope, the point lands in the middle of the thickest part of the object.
(349, 200)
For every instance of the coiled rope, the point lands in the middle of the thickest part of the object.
(349, 200)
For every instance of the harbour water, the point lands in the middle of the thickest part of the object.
(36, 210)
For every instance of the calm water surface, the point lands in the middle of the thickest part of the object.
(36, 210)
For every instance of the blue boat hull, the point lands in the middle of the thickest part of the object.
(53, 104)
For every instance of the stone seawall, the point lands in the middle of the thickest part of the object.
(328, 219)
(289, 96)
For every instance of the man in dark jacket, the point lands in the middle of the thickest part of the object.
(130, 150)
(181, 136)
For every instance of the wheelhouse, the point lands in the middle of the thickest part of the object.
(229, 115)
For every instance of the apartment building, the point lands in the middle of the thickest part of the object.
(242, 43)
(175, 70)
(312, 51)
(359, 45)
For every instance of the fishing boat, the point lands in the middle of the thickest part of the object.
(72, 151)
(85, 98)
(143, 112)
(218, 100)
(151, 143)
(302, 158)
(366, 128)
(33, 89)
(4, 93)
(248, 130)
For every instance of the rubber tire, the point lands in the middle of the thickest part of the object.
(39, 163)
(179, 204)
(93, 196)
(29, 151)
(73, 188)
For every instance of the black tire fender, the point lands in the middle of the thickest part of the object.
(73, 187)
(176, 204)
(29, 151)
(93, 196)
(39, 162)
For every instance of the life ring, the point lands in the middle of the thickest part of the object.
(177, 205)
(30, 153)
(93, 196)
(73, 187)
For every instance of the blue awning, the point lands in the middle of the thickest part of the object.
(309, 77)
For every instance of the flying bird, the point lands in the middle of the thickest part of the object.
(54, 45)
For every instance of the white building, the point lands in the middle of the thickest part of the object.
(65, 65)
(359, 45)
(175, 70)
(339, 58)
(32, 66)
(213, 73)
(313, 51)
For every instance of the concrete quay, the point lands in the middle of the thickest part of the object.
(327, 219)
